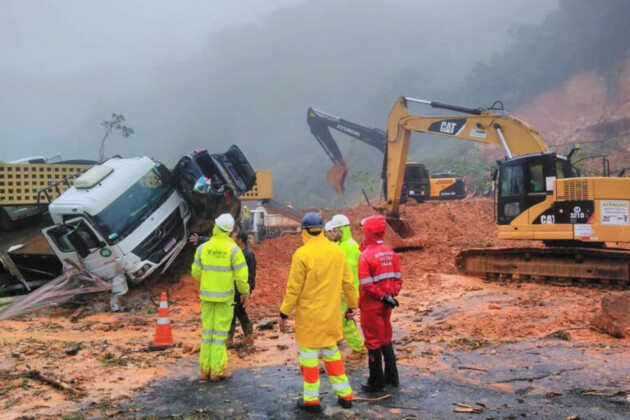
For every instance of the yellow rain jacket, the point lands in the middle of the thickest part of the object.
(219, 265)
(319, 269)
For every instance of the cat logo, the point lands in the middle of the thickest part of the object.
(451, 127)
(447, 127)
(548, 219)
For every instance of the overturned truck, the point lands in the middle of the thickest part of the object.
(126, 218)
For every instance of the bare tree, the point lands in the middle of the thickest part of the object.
(113, 126)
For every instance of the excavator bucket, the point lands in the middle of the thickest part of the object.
(400, 227)
(336, 178)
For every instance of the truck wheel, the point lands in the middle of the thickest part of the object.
(5, 221)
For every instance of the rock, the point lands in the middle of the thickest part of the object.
(614, 316)
(493, 306)
(266, 325)
(74, 349)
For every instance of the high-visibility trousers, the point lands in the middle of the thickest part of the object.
(351, 332)
(216, 318)
(309, 366)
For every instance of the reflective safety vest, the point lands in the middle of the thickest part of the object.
(219, 265)
(351, 248)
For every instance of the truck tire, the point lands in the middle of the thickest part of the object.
(5, 221)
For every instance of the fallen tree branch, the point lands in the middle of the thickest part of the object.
(596, 393)
(75, 314)
(36, 374)
(361, 399)
(465, 408)
(7, 376)
(472, 368)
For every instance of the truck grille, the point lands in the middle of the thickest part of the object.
(152, 248)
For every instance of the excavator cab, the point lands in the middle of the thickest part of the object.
(416, 183)
(527, 180)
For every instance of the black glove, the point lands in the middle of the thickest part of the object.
(349, 315)
(389, 301)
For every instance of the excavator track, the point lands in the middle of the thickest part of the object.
(588, 267)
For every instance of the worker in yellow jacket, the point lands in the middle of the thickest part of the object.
(219, 265)
(319, 270)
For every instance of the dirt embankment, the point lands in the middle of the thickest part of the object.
(588, 110)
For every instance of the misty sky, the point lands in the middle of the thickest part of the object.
(201, 74)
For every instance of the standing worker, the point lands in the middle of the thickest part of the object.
(247, 218)
(380, 281)
(329, 232)
(219, 265)
(239, 310)
(318, 271)
(341, 224)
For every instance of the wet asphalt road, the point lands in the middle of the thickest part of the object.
(542, 379)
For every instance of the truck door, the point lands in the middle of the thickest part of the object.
(101, 259)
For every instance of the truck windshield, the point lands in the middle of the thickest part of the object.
(132, 207)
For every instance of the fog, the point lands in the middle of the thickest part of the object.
(194, 74)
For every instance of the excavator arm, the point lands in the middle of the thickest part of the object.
(320, 124)
(515, 136)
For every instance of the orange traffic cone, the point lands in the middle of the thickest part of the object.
(163, 333)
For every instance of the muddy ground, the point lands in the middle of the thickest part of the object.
(507, 350)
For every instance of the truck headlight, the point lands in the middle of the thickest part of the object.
(142, 271)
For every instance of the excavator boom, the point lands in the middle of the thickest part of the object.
(515, 136)
(320, 124)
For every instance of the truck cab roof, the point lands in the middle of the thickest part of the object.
(98, 192)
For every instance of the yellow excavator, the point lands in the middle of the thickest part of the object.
(539, 196)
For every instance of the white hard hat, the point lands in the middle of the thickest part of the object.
(225, 222)
(328, 227)
(339, 220)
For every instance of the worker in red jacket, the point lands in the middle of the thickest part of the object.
(380, 280)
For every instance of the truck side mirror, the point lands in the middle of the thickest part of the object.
(78, 243)
(166, 175)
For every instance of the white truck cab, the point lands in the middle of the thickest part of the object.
(121, 216)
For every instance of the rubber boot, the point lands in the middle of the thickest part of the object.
(309, 408)
(229, 342)
(248, 331)
(376, 381)
(391, 371)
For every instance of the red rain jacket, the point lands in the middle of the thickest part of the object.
(379, 275)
